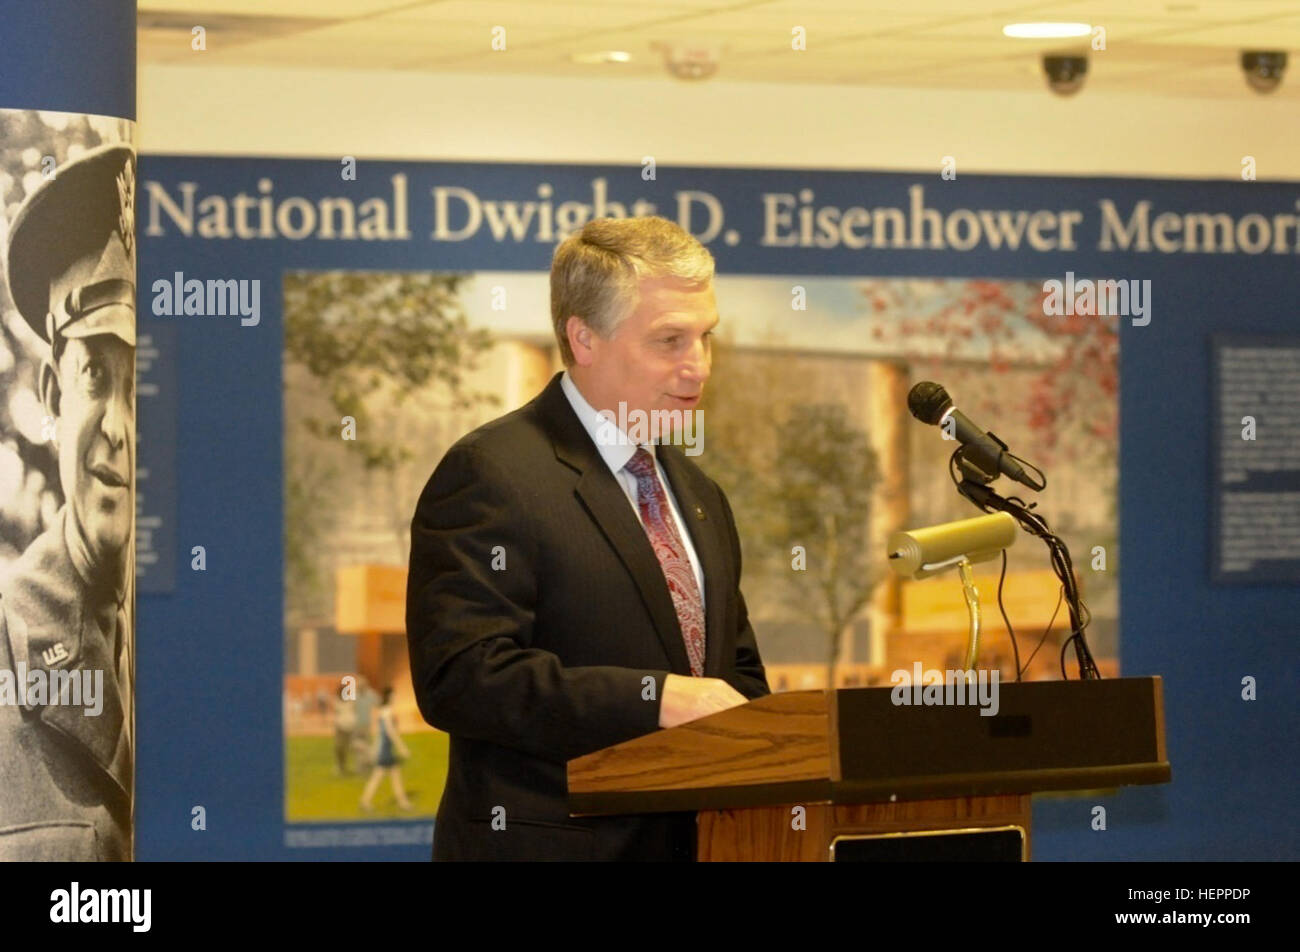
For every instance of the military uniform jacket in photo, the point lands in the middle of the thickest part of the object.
(66, 776)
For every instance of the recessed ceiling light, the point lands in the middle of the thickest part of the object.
(603, 56)
(1045, 31)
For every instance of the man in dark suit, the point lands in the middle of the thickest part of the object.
(568, 588)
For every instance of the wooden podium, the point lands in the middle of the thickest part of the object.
(855, 774)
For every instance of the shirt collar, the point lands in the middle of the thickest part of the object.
(612, 444)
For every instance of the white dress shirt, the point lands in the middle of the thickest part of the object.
(616, 454)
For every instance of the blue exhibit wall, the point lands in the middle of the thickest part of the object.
(210, 655)
(69, 56)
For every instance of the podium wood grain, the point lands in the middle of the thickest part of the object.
(773, 750)
(859, 763)
(764, 834)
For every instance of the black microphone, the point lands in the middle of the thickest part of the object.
(930, 403)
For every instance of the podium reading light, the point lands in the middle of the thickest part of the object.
(920, 553)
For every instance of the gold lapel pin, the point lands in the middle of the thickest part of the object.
(699, 513)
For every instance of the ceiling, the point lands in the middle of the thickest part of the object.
(1161, 47)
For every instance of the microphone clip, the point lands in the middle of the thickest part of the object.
(978, 465)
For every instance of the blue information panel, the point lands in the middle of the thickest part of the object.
(1257, 459)
(155, 479)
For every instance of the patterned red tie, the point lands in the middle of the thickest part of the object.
(662, 531)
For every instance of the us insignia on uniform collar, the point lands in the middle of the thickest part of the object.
(53, 656)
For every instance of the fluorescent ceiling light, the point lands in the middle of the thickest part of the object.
(1045, 31)
(603, 56)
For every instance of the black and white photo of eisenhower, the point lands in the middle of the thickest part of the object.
(67, 488)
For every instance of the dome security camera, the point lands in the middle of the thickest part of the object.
(690, 60)
(1263, 69)
(1065, 72)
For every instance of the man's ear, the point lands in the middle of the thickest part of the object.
(580, 340)
(50, 391)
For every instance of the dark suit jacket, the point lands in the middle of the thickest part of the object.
(535, 613)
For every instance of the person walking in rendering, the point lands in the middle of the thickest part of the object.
(388, 759)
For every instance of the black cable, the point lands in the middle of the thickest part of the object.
(1046, 632)
(1065, 644)
(1042, 477)
(1063, 567)
(1015, 648)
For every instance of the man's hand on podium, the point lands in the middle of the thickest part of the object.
(686, 699)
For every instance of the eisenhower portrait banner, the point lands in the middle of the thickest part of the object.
(67, 487)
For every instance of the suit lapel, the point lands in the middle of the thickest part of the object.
(609, 508)
(704, 535)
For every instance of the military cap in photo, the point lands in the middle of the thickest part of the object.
(71, 257)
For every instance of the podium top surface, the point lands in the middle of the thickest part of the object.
(859, 745)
